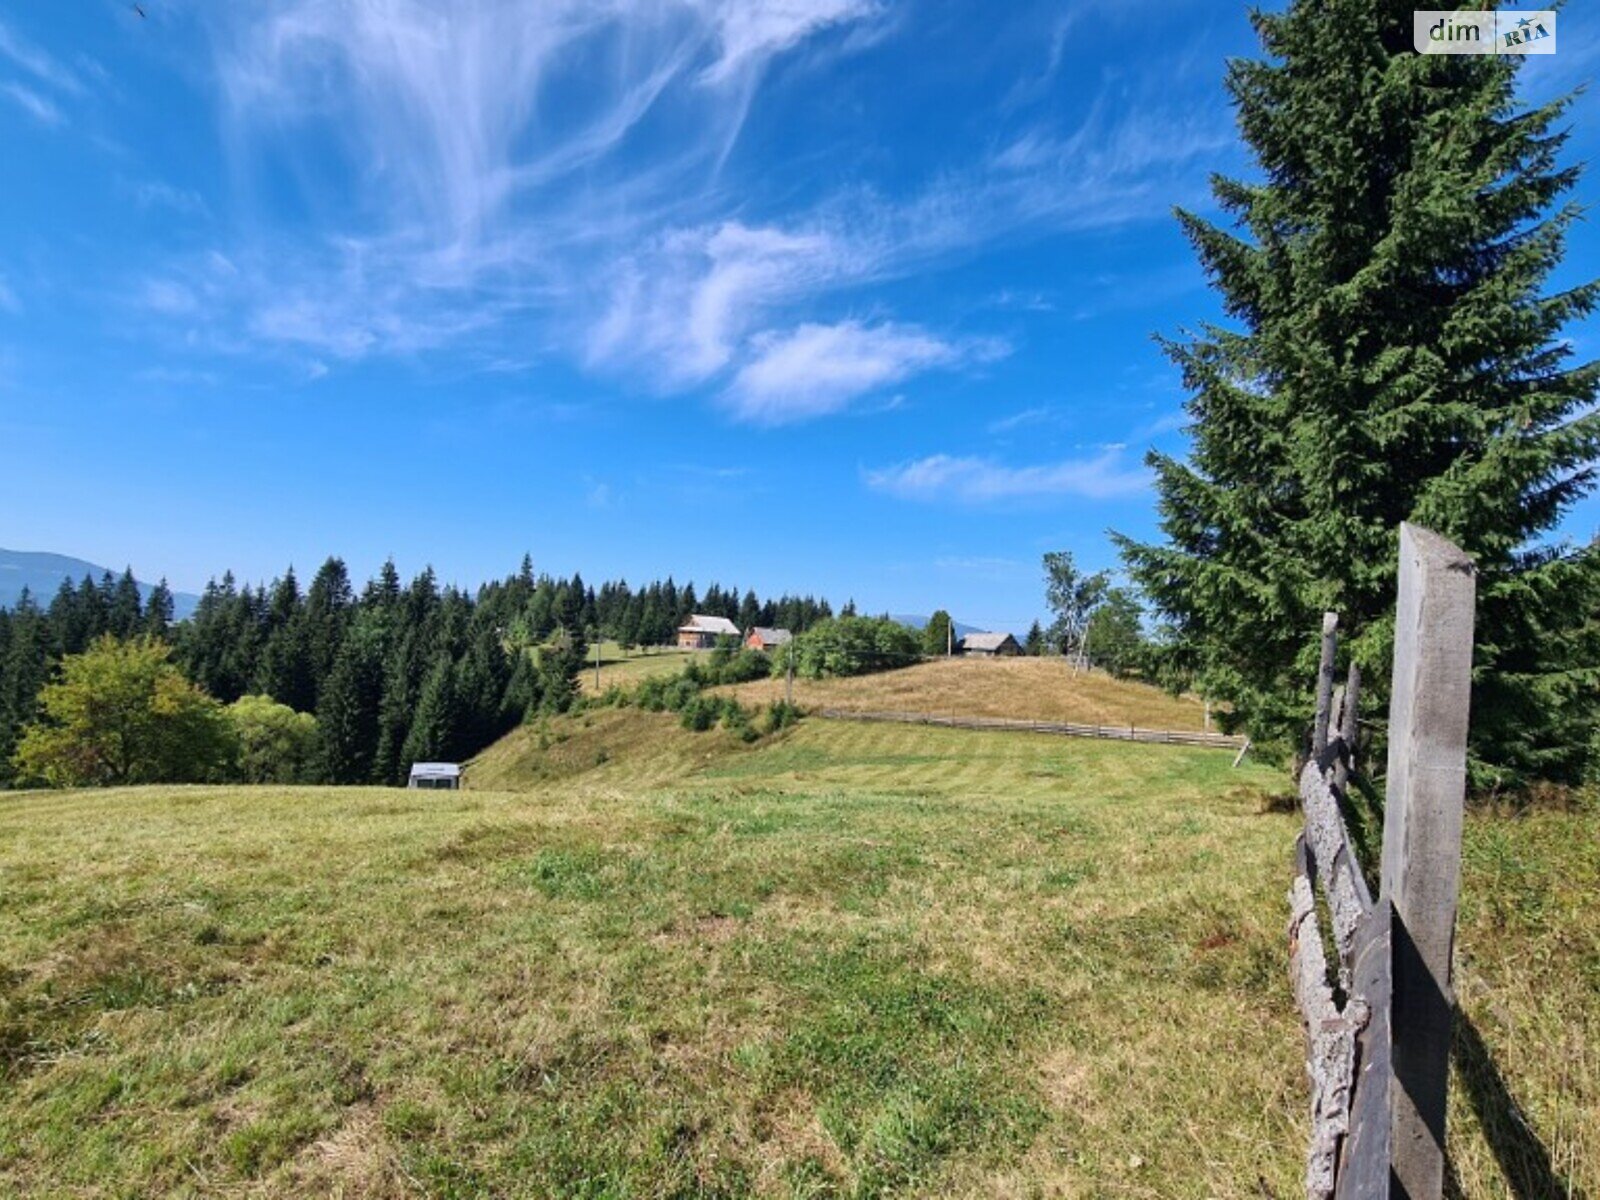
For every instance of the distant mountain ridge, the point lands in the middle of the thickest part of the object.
(40, 574)
(913, 621)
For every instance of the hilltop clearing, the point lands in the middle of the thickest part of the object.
(1033, 689)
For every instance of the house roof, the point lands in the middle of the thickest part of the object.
(772, 637)
(435, 770)
(704, 624)
(985, 641)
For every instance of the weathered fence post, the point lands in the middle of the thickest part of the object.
(1421, 871)
(1348, 729)
(1330, 642)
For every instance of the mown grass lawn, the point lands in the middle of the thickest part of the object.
(1029, 689)
(626, 668)
(853, 961)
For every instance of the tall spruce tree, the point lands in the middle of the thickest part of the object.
(1395, 353)
(158, 611)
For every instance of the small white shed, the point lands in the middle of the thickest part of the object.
(435, 776)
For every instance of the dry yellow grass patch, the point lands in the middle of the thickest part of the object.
(626, 668)
(1028, 689)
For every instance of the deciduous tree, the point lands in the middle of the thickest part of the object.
(122, 713)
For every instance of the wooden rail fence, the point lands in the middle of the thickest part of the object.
(1120, 733)
(1378, 1011)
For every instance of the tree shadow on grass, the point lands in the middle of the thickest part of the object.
(1524, 1159)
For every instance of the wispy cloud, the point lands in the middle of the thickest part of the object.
(815, 369)
(681, 304)
(984, 566)
(31, 102)
(1107, 476)
(599, 494)
(37, 63)
(1018, 420)
(752, 31)
(168, 297)
(151, 193)
(497, 166)
(533, 182)
(178, 377)
(684, 304)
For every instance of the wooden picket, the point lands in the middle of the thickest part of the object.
(1378, 1060)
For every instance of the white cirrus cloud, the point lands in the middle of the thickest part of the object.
(972, 480)
(31, 102)
(152, 193)
(522, 182)
(684, 305)
(752, 31)
(813, 370)
(37, 63)
(168, 297)
(1017, 420)
(489, 162)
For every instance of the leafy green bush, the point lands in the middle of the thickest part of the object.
(780, 715)
(850, 646)
(276, 744)
(701, 713)
(684, 694)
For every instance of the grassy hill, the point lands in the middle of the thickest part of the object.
(1035, 689)
(626, 668)
(853, 960)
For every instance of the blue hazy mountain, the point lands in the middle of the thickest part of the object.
(41, 574)
(915, 622)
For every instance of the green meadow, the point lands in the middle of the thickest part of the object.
(850, 961)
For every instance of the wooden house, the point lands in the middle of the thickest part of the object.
(702, 632)
(767, 640)
(990, 645)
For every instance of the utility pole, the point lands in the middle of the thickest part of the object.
(789, 686)
(597, 662)
(950, 638)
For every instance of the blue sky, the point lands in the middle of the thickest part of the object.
(846, 296)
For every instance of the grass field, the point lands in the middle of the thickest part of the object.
(850, 961)
(626, 668)
(1037, 689)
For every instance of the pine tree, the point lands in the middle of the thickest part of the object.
(23, 672)
(1034, 646)
(348, 712)
(560, 663)
(434, 731)
(749, 612)
(522, 696)
(126, 610)
(158, 611)
(328, 604)
(1395, 355)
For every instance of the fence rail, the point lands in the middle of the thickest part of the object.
(1120, 733)
(1378, 1010)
